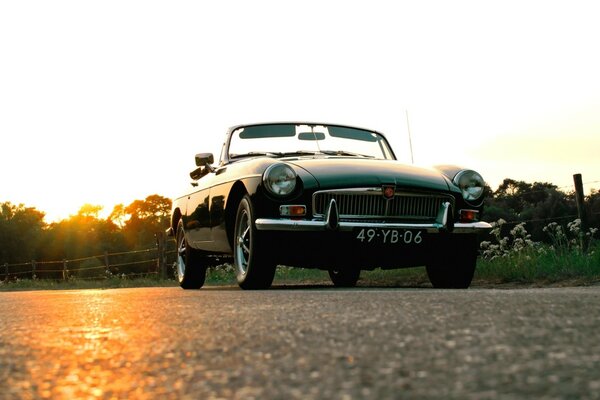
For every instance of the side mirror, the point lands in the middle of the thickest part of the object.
(198, 173)
(203, 159)
(203, 162)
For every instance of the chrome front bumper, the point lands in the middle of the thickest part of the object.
(332, 223)
(264, 224)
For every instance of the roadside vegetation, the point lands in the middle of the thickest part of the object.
(25, 235)
(537, 240)
(570, 254)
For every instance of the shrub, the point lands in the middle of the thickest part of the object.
(571, 253)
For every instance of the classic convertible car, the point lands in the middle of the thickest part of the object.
(325, 196)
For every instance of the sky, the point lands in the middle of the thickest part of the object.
(108, 102)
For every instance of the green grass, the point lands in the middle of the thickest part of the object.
(539, 265)
(285, 276)
(534, 266)
(515, 258)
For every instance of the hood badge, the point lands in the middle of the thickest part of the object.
(388, 191)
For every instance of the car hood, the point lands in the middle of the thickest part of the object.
(333, 173)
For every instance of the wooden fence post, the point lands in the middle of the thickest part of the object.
(160, 248)
(65, 272)
(107, 264)
(6, 272)
(581, 212)
(33, 267)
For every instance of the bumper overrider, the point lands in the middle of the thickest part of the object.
(442, 224)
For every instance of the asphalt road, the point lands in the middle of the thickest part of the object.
(302, 343)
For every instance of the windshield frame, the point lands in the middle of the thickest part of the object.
(387, 153)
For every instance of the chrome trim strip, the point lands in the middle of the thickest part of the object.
(442, 217)
(332, 222)
(267, 224)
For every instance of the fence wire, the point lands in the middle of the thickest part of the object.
(100, 266)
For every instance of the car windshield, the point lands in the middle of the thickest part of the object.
(280, 140)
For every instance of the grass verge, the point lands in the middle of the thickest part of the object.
(532, 266)
(529, 267)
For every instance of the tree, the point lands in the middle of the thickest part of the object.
(82, 235)
(593, 210)
(89, 211)
(21, 231)
(118, 216)
(143, 218)
(537, 204)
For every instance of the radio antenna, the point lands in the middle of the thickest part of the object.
(412, 158)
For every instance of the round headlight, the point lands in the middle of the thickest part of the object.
(471, 185)
(280, 179)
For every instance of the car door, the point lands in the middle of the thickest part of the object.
(197, 218)
(205, 222)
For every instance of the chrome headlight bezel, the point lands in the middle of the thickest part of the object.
(471, 185)
(280, 179)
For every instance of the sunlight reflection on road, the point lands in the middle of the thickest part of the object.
(82, 349)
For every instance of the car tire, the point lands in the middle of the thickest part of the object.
(455, 267)
(346, 277)
(255, 267)
(190, 265)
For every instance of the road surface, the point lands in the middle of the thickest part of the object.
(301, 343)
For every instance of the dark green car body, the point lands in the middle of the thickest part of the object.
(346, 211)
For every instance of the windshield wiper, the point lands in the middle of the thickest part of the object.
(276, 154)
(344, 153)
(280, 154)
(299, 153)
(254, 154)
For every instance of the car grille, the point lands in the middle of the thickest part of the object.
(369, 204)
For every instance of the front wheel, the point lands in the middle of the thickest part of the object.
(191, 268)
(253, 262)
(455, 265)
(346, 277)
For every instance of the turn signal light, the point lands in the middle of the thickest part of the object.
(292, 211)
(468, 215)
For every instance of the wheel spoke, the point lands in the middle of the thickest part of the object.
(181, 247)
(243, 242)
(245, 248)
(181, 256)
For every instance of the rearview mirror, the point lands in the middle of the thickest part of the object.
(311, 136)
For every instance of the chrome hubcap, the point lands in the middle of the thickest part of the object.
(243, 243)
(181, 257)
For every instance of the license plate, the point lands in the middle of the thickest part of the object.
(389, 236)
